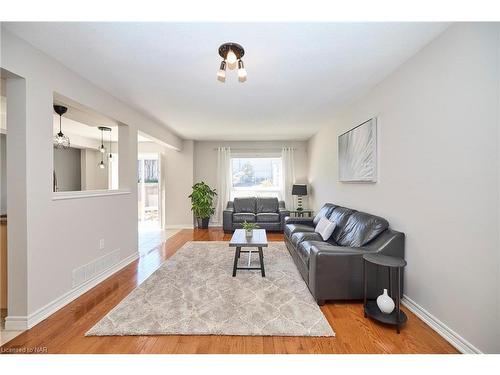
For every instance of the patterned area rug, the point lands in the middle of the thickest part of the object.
(194, 293)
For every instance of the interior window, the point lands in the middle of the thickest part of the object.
(85, 148)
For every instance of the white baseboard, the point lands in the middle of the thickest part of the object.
(16, 323)
(19, 323)
(461, 344)
(179, 226)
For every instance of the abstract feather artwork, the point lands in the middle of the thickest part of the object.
(358, 153)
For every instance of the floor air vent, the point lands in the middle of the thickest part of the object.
(94, 268)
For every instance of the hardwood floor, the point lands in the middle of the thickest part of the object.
(63, 332)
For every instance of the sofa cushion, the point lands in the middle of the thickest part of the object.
(304, 249)
(361, 228)
(323, 212)
(298, 237)
(268, 217)
(240, 217)
(339, 216)
(244, 205)
(325, 228)
(293, 228)
(267, 205)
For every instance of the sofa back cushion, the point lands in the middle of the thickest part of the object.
(267, 205)
(361, 228)
(244, 205)
(323, 212)
(339, 216)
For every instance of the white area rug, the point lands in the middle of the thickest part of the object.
(194, 293)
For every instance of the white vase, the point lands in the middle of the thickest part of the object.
(249, 233)
(385, 303)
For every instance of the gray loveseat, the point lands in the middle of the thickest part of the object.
(267, 213)
(333, 269)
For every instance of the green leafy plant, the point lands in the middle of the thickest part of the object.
(202, 200)
(249, 226)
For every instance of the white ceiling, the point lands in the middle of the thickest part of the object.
(298, 74)
(92, 133)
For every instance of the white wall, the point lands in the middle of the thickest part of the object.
(49, 238)
(177, 174)
(205, 157)
(438, 119)
(67, 167)
(3, 174)
(93, 177)
(3, 148)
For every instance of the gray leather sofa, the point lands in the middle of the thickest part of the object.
(333, 269)
(267, 213)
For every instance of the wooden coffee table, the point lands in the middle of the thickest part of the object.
(239, 240)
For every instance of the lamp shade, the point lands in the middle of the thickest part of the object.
(299, 190)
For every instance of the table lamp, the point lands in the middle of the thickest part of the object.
(299, 191)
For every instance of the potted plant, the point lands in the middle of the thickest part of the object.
(249, 227)
(202, 203)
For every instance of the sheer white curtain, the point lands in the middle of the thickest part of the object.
(288, 176)
(223, 181)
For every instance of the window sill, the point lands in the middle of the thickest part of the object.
(62, 195)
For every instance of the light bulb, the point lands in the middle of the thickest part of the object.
(242, 75)
(221, 74)
(102, 149)
(242, 72)
(101, 165)
(231, 57)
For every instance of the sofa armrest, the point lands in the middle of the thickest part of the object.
(284, 213)
(338, 271)
(335, 272)
(389, 242)
(227, 217)
(300, 220)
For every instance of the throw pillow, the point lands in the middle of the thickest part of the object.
(325, 228)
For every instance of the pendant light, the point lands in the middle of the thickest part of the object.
(60, 140)
(102, 148)
(110, 143)
(231, 54)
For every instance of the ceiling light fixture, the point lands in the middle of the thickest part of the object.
(231, 54)
(102, 148)
(61, 140)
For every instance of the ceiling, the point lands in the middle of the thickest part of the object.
(299, 74)
(89, 132)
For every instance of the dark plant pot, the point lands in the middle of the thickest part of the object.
(203, 222)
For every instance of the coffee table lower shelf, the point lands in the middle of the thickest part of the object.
(373, 311)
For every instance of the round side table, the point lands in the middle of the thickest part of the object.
(370, 307)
